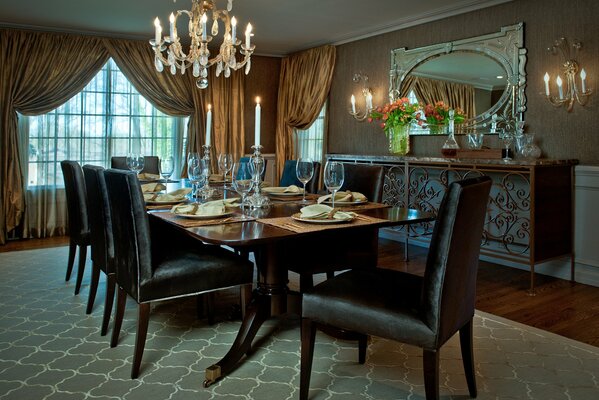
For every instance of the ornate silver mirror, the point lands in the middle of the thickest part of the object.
(484, 76)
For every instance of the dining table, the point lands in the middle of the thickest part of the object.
(275, 235)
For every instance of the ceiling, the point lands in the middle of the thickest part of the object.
(280, 26)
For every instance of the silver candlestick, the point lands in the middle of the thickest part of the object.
(257, 164)
(206, 191)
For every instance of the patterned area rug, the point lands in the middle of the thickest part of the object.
(50, 349)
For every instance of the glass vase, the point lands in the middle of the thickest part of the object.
(450, 147)
(399, 139)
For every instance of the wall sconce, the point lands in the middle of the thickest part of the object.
(570, 69)
(367, 93)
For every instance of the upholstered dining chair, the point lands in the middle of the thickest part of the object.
(79, 234)
(151, 164)
(245, 160)
(366, 179)
(289, 176)
(102, 244)
(149, 270)
(421, 311)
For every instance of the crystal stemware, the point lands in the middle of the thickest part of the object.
(242, 180)
(304, 170)
(195, 172)
(507, 138)
(225, 164)
(167, 166)
(333, 178)
(135, 162)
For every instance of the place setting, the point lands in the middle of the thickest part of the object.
(159, 200)
(213, 212)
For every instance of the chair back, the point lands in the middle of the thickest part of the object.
(449, 288)
(100, 221)
(289, 176)
(245, 160)
(366, 179)
(74, 185)
(131, 230)
(151, 164)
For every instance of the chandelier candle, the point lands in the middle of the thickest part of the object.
(257, 127)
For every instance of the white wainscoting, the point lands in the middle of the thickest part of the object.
(586, 233)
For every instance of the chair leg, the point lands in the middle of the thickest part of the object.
(468, 357)
(71, 261)
(143, 318)
(93, 288)
(118, 318)
(81, 268)
(306, 282)
(308, 334)
(110, 286)
(431, 373)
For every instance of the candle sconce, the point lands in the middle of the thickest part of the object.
(366, 93)
(570, 93)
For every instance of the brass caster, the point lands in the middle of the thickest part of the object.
(208, 382)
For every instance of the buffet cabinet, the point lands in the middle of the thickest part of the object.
(530, 211)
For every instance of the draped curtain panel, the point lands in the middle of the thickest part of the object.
(40, 71)
(304, 85)
(432, 90)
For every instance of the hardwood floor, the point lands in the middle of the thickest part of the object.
(561, 307)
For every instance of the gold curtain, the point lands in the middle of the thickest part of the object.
(304, 85)
(40, 71)
(433, 90)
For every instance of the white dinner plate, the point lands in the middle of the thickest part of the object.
(346, 203)
(210, 216)
(154, 202)
(298, 217)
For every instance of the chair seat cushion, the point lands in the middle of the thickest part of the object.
(184, 272)
(376, 301)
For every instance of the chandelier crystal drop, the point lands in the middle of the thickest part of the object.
(198, 56)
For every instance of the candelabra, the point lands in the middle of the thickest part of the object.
(257, 164)
(206, 191)
(367, 93)
(198, 56)
(570, 69)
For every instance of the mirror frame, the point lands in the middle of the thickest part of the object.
(506, 47)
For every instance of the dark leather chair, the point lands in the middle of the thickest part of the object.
(150, 270)
(366, 179)
(421, 311)
(151, 164)
(245, 160)
(79, 234)
(102, 243)
(289, 176)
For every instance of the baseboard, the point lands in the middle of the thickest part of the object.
(559, 268)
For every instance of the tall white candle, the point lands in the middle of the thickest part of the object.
(583, 76)
(248, 33)
(369, 101)
(559, 87)
(172, 21)
(233, 30)
(204, 19)
(546, 79)
(158, 30)
(257, 123)
(353, 103)
(208, 124)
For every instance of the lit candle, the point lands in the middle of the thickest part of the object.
(257, 123)
(204, 19)
(158, 30)
(494, 123)
(559, 87)
(248, 33)
(233, 30)
(208, 124)
(172, 21)
(369, 101)
(353, 103)
(546, 79)
(583, 76)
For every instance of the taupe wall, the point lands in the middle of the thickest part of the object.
(263, 81)
(560, 134)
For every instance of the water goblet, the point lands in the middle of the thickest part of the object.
(507, 138)
(334, 176)
(195, 174)
(242, 180)
(167, 166)
(225, 164)
(135, 162)
(304, 170)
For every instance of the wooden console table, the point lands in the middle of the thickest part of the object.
(530, 211)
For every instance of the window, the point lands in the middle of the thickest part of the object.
(310, 142)
(109, 117)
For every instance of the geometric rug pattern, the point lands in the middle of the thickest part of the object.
(51, 350)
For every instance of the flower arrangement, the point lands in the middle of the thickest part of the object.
(438, 114)
(400, 112)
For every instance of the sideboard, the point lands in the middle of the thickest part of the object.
(530, 210)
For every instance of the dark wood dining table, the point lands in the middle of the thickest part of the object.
(271, 243)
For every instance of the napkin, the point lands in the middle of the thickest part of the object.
(232, 202)
(144, 176)
(346, 196)
(285, 189)
(322, 211)
(212, 208)
(152, 187)
(176, 195)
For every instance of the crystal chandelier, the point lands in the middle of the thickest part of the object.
(198, 57)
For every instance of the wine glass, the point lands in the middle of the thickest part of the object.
(333, 178)
(507, 138)
(242, 180)
(225, 164)
(195, 172)
(135, 162)
(167, 166)
(304, 169)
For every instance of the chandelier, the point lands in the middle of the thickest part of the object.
(198, 56)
